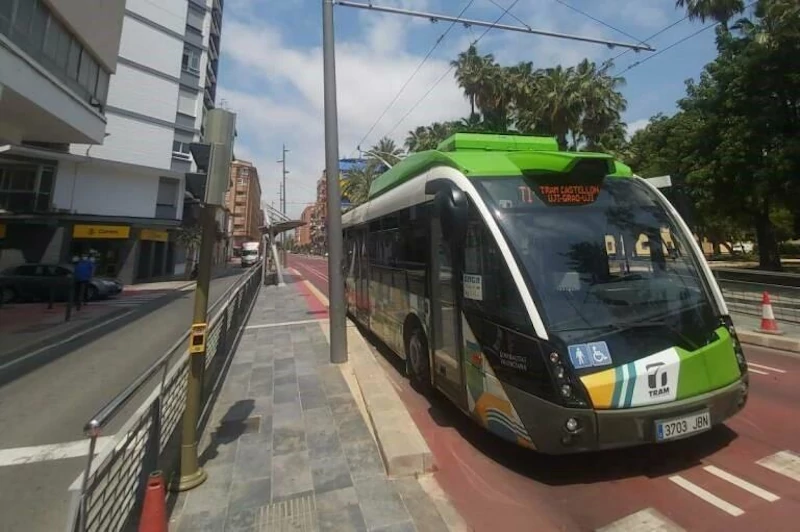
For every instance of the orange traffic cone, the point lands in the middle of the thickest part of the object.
(769, 324)
(154, 510)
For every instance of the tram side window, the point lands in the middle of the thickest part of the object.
(488, 285)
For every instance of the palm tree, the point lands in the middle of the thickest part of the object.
(718, 10)
(387, 149)
(470, 73)
(357, 182)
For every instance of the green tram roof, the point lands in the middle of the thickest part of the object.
(484, 155)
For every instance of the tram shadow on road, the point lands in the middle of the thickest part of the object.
(652, 460)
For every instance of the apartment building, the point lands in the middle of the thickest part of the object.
(119, 193)
(243, 200)
(303, 233)
(56, 60)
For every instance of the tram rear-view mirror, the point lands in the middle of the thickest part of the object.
(451, 208)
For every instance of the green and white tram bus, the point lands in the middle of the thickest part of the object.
(555, 297)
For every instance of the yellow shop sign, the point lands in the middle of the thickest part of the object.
(2, 230)
(154, 235)
(101, 231)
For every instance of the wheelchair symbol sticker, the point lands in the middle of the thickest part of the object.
(599, 353)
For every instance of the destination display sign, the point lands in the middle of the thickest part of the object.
(560, 194)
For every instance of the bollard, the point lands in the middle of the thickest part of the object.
(70, 297)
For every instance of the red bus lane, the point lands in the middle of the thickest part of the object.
(741, 476)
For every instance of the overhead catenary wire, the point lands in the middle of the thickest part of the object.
(413, 74)
(447, 72)
(676, 43)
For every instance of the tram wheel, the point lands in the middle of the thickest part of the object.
(417, 355)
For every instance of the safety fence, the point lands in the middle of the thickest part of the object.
(746, 298)
(105, 497)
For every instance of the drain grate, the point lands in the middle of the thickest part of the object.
(292, 515)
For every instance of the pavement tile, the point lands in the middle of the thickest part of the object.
(213, 495)
(364, 459)
(354, 429)
(251, 493)
(330, 473)
(288, 439)
(203, 521)
(333, 381)
(338, 510)
(287, 414)
(286, 393)
(241, 520)
(380, 503)
(309, 400)
(405, 526)
(253, 460)
(284, 366)
(286, 378)
(291, 475)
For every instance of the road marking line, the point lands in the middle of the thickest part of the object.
(647, 520)
(707, 496)
(757, 372)
(315, 272)
(770, 368)
(785, 463)
(736, 481)
(284, 324)
(46, 453)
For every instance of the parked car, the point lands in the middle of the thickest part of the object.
(33, 282)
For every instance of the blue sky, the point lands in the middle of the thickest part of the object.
(271, 69)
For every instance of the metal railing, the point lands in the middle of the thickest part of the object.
(745, 297)
(105, 496)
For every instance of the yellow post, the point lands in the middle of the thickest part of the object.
(192, 474)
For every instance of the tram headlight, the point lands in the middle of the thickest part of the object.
(737, 346)
(567, 387)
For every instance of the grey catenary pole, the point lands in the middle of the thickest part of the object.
(338, 332)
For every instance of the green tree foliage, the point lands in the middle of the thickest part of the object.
(356, 182)
(736, 137)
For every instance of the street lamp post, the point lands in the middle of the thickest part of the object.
(338, 332)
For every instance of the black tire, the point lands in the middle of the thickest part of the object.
(91, 293)
(418, 360)
(7, 294)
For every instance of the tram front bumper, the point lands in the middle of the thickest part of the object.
(610, 429)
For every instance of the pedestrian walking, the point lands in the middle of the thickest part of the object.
(82, 274)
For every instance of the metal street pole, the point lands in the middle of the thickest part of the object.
(192, 474)
(338, 331)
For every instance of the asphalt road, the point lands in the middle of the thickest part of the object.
(709, 482)
(43, 411)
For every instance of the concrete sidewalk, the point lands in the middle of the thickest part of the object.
(747, 329)
(291, 443)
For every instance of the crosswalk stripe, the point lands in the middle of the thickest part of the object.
(769, 368)
(784, 463)
(707, 496)
(647, 520)
(747, 486)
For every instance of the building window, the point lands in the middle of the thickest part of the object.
(30, 25)
(180, 150)
(167, 198)
(191, 61)
(26, 187)
(195, 19)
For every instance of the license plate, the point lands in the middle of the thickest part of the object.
(678, 427)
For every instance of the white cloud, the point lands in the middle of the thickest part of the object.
(636, 125)
(277, 88)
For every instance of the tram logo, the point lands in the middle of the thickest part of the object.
(657, 379)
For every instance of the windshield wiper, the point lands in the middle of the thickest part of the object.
(645, 324)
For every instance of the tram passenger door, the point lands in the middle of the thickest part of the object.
(446, 317)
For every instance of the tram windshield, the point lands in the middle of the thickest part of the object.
(604, 258)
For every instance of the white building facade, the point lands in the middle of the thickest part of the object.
(122, 200)
(56, 60)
